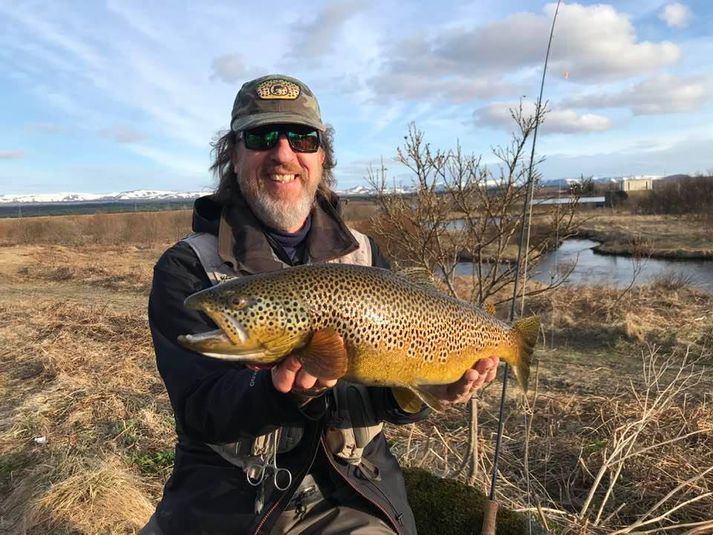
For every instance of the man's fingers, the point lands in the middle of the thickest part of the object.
(485, 365)
(284, 374)
(327, 383)
(490, 376)
(289, 375)
(305, 380)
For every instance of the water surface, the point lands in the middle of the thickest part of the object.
(591, 269)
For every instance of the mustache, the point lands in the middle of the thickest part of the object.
(283, 170)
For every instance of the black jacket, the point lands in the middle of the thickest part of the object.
(219, 402)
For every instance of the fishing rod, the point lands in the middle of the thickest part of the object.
(491, 506)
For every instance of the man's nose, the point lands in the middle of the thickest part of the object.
(282, 151)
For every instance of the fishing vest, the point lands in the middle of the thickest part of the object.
(352, 424)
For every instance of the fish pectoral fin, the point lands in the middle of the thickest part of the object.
(325, 355)
(412, 398)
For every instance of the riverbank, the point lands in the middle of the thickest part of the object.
(657, 236)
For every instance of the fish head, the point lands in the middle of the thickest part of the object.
(258, 324)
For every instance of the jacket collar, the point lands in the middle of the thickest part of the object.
(242, 242)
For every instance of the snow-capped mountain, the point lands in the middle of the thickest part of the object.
(136, 195)
(63, 197)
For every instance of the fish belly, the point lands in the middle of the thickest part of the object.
(396, 368)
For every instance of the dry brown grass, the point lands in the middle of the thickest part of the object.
(140, 229)
(81, 494)
(77, 368)
(80, 398)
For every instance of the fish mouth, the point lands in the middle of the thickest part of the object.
(218, 344)
(230, 326)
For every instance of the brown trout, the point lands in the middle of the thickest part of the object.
(363, 324)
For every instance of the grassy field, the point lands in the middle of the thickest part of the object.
(660, 236)
(620, 427)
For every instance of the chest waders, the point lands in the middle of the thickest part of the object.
(351, 424)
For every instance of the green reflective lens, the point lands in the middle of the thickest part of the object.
(301, 138)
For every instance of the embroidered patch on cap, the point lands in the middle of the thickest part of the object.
(278, 89)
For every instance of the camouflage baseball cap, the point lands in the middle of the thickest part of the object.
(275, 98)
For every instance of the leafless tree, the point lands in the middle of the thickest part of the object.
(461, 221)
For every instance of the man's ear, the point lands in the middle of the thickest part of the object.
(322, 156)
(234, 160)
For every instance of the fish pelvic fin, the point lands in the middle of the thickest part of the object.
(527, 331)
(325, 355)
(412, 398)
(408, 400)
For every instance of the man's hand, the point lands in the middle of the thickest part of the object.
(462, 390)
(288, 376)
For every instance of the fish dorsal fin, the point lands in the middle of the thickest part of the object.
(417, 275)
(490, 308)
(325, 355)
(412, 398)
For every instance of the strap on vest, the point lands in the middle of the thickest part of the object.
(353, 424)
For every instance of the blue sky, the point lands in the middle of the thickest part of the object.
(119, 95)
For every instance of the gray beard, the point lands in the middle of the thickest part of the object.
(275, 213)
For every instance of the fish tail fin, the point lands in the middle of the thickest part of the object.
(526, 333)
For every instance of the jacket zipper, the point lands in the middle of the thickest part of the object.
(394, 522)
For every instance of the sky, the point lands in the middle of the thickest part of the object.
(118, 95)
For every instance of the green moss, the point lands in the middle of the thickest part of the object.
(446, 506)
(154, 462)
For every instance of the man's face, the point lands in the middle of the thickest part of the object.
(279, 184)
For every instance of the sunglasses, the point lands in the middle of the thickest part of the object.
(301, 138)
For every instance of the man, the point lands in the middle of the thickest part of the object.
(269, 451)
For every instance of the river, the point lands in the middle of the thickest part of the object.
(591, 269)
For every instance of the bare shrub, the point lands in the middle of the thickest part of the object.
(681, 195)
(672, 279)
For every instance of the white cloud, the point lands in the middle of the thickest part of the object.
(229, 68)
(317, 37)
(592, 43)
(11, 154)
(658, 95)
(557, 121)
(676, 15)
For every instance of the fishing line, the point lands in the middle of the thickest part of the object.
(491, 509)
